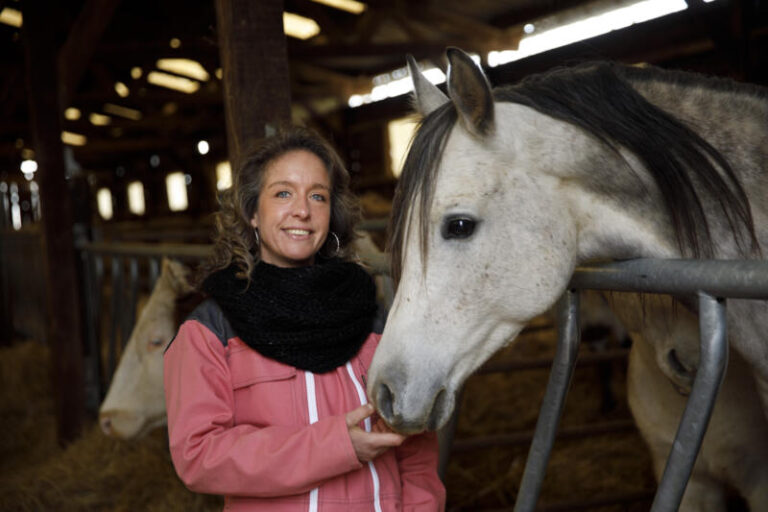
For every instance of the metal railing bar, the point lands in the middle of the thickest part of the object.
(526, 436)
(154, 272)
(546, 362)
(739, 279)
(117, 293)
(554, 401)
(713, 361)
(128, 313)
(180, 251)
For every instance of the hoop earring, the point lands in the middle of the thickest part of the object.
(256, 236)
(338, 243)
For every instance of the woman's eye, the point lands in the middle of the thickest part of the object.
(283, 193)
(458, 227)
(318, 197)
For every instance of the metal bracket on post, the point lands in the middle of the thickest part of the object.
(693, 425)
(552, 406)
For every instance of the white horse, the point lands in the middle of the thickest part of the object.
(734, 451)
(504, 192)
(135, 402)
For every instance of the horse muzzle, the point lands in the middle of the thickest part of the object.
(410, 408)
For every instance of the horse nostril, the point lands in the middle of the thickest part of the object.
(106, 425)
(384, 400)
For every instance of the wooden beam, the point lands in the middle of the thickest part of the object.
(80, 46)
(64, 327)
(254, 58)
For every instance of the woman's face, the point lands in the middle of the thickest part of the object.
(294, 211)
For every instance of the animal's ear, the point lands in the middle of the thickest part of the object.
(177, 275)
(427, 97)
(470, 91)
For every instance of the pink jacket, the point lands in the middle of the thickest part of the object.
(271, 437)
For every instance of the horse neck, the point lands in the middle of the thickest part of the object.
(729, 117)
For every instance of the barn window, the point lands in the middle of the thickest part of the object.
(400, 131)
(176, 188)
(136, 198)
(223, 175)
(104, 203)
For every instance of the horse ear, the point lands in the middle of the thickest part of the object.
(470, 91)
(177, 275)
(427, 97)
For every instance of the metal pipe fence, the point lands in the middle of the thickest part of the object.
(711, 281)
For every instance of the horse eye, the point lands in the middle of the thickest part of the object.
(156, 342)
(458, 227)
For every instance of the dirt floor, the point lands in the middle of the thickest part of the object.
(603, 472)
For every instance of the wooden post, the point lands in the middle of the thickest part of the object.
(64, 323)
(254, 59)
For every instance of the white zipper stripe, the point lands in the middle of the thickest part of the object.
(311, 397)
(309, 378)
(367, 424)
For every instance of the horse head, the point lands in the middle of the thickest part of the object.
(135, 403)
(482, 241)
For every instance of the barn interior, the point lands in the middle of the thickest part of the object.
(122, 121)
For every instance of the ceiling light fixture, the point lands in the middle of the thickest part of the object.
(11, 17)
(72, 114)
(122, 90)
(299, 26)
(97, 119)
(73, 139)
(351, 6)
(186, 67)
(118, 110)
(174, 82)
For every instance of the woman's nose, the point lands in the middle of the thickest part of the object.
(301, 208)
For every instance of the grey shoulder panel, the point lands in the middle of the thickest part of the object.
(211, 316)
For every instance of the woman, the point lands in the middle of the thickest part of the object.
(265, 381)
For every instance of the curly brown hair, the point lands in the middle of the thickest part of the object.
(234, 240)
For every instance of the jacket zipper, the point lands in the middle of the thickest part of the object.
(367, 424)
(309, 378)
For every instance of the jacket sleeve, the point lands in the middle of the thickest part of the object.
(213, 455)
(417, 460)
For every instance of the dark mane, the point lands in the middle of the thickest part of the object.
(418, 180)
(598, 98)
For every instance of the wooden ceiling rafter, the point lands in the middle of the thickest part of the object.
(79, 48)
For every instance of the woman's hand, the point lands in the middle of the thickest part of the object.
(369, 445)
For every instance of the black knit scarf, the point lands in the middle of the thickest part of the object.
(314, 318)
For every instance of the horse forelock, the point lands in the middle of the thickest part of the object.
(417, 185)
(599, 98)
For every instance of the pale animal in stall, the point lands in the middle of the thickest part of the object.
(504, 192)
(734, 452)
(135, 402)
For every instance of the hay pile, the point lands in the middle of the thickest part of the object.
(593, 469)
(94, 473)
